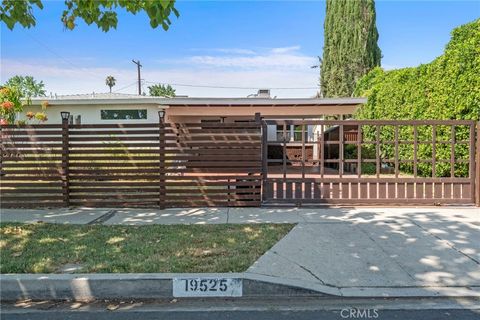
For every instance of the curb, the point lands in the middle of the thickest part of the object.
(84, 287)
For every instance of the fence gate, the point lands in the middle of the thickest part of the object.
(370, 162)
(137, 164)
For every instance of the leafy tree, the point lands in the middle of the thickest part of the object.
(110, 82)
(350, 50)
(27, 86)
(102, 13)
(160, 90)
(448, 88)
(12, 103)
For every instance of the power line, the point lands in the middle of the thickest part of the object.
(172, 84)
(230, 87)
(127, 86)
(59, 56)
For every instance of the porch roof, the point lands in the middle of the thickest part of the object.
(264, 102)
(114, 98)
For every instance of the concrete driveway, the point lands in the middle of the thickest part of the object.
(422, 250)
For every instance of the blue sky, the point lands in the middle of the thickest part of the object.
(247, 44)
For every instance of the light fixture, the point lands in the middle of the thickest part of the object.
(65, 115)
(161, 114)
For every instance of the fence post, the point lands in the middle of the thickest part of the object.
(264, 150)
(161, 153)
(477, 171)
(65, 159)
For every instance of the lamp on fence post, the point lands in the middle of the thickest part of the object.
(161, 154)
(161, 114)
(65, 115)
(65, 174)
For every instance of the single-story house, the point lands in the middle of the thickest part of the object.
(97, 108)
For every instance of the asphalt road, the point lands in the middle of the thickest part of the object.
(247, 315)
(268, 309)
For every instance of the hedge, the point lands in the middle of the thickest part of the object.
(447, 88)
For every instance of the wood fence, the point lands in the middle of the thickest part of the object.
(149, 165)
(387, 162)
(226, 164)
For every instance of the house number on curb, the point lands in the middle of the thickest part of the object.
(207, 287)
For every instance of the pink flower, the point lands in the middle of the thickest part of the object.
(3, 122)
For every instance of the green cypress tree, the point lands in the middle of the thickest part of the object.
(350, 50)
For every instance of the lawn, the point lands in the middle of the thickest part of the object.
(46, 248)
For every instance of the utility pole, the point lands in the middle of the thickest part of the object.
(139, 78)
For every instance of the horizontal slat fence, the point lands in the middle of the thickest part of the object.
(31, 166)
(130, 165)
(212, 164)
(386, 162)
(114, 165)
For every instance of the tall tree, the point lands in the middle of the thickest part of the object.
(350, 48)
(102, 13)
(27, 86)
(160, 90)
(110, 81)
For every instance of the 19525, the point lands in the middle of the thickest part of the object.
(204, 285)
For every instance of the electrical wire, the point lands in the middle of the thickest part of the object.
(151, 82)
(127, 86)
(59, 56)
(229, 87)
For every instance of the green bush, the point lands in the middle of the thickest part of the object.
(447, 88)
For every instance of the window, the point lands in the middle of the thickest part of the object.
(297, 133)
(280, 134)
(125, 114)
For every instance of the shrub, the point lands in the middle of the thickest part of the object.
(447, 88)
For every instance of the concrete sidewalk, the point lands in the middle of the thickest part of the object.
(134, 216)
(341, 251)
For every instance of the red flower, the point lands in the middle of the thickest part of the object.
(7, 105)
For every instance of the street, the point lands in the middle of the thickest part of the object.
(273, 308)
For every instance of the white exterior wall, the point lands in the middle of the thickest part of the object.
(272, 132)
(90, 114)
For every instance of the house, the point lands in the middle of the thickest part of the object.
(97, 108)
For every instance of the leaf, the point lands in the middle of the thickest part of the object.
(112, 307)
(164, 3)
(153, 23)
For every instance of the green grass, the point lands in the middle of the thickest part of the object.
(45, 248)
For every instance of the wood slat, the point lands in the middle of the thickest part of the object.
(37, 184)
(102, 140)
(30, 198)
(112, 132)
(113, 126)
(30, 191)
